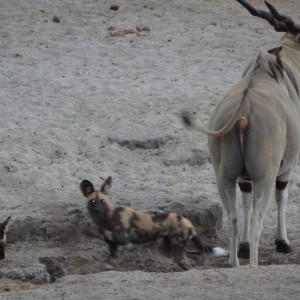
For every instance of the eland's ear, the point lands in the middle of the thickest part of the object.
(86, 187)
(106, 185)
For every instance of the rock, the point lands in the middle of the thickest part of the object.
(141, 28)
(181, 156)
(8, 167)
(136, 136)
(37, 229)
(26, 229)
(36, 274)
(56, 19)
(114, 7)
(54, 266)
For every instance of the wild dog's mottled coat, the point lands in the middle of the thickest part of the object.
(122, 225)
(3, 231)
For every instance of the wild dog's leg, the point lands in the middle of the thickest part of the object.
(113, 248)
(120, 236)
(281, 195)
(178, 245)
(247, 203)
(261, 197)
(115, 238)
(181, 259)
(166, 245)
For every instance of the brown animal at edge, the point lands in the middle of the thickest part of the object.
(3, 231)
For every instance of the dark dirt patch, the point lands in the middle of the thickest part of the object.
(17, 287)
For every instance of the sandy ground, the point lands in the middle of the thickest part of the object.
(243, 283)
(98, 94)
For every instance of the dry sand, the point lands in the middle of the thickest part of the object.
(96, 92)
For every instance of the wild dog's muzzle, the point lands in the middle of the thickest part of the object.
(96, 207)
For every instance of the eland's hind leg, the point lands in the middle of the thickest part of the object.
(281, 196)
(261, 197)
(227, 191)
(247, 204)
(228, 162)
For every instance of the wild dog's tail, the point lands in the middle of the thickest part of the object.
(202, 247)
(6, 221)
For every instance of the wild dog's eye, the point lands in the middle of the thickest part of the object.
(93, 201)
(102, 200)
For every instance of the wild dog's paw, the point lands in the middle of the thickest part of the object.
(109, 267)
(184, 265)
(113, 261)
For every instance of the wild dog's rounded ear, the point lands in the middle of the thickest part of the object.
(86, 187)
(106, 185)
(7, 220)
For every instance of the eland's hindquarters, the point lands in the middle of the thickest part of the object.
(256, 153)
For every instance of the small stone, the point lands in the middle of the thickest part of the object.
(36, 274)
(56, 19)
(141, 28)
(114, 7)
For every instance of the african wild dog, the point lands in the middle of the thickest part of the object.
(3, 231)
(121, 225)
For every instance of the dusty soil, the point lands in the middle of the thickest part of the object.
(88, 92)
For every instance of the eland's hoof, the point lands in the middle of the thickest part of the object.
(244, 250)
(282, 246)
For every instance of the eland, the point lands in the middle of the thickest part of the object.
(254, 137)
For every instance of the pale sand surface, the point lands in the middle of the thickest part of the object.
(80, 100)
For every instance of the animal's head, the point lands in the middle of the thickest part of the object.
(280, 22)
(97, 201)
